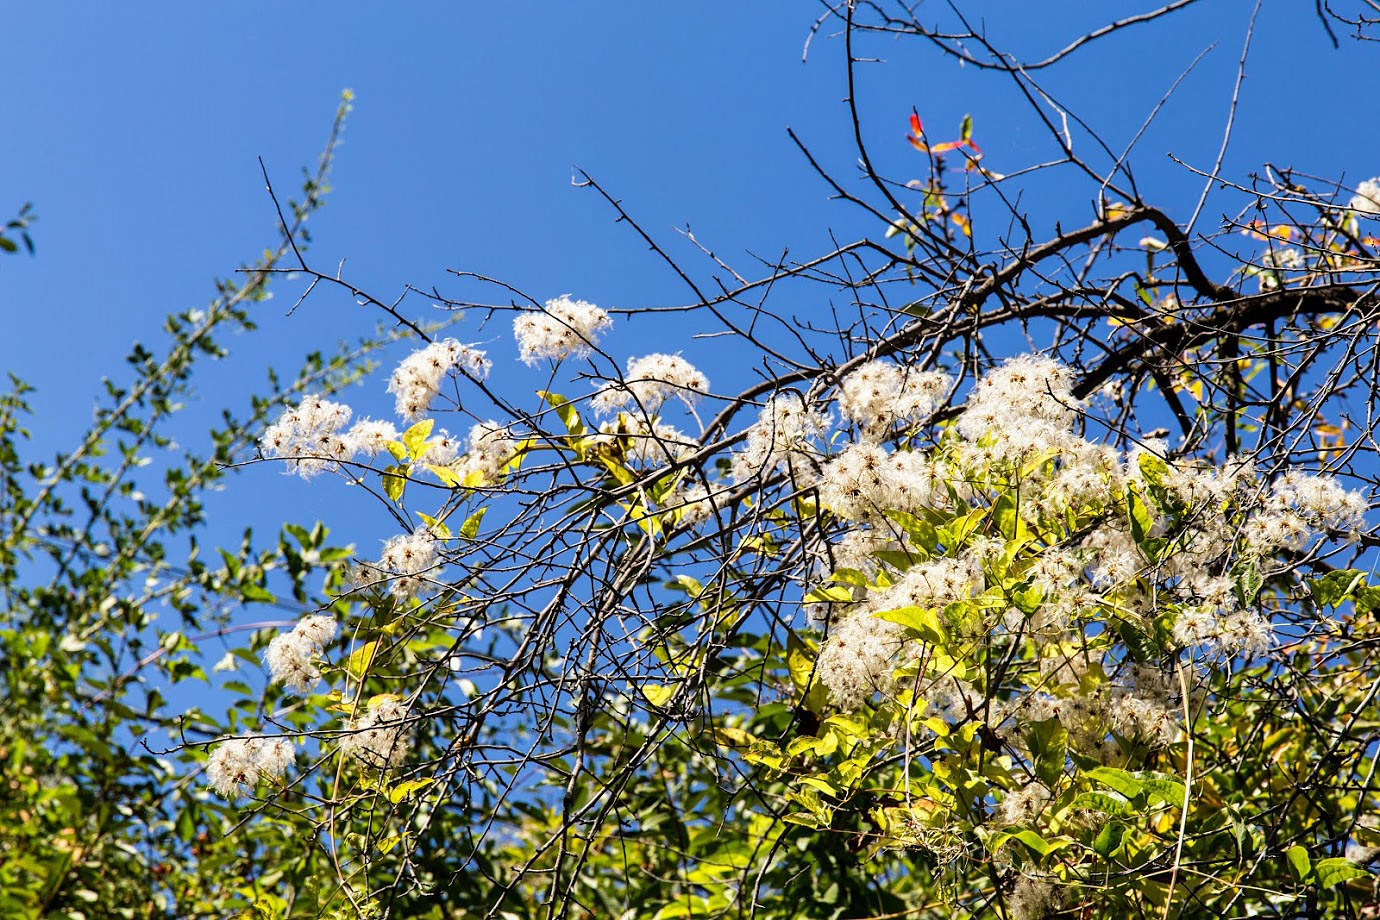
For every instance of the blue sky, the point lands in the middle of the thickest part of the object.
(135, 131)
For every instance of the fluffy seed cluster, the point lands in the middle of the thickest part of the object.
(1233, 632)
(566, 327)
(1021, 806)
(880, 395)
(1088, 474)
(1033, 899)
(645, 442)
(934, 583)
(1367, 198)
(308, 436)
(865, 480)
(371, 437)
(441, 449)
(1141, 533)
(783, 437)
(1024, 405)
(1300, 503)
(379, 738)
(491, 449)
(237, 765)
(856, 661)
(696, 504)
(417, 380)
(1144, 706)
(650, 381)
(291, 656)
(409, 562)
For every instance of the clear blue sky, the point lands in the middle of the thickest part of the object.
(134, 128)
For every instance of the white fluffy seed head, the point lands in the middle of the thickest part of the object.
(650, 381)
(379, 738)
(237, 765)
(565, 328)
(409, 562)
(646, 442)
(1366, 201)
(291, 656)
(371, 437)
(1025, 404)
(857, 660)
(417, 380)
(308, 436)
(865, 481)
(491, 449)
(784, 436)
(880, 395)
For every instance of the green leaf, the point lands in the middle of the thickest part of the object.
(415, 437)
(565, 412)
(1109, 802)
(402, 790)
(820, 783)
(658, 694)
(846, 576)
(1140, 518)
(360, 660)
(1155, 470)
(800, 663)
(449, 477)
(1123, 782)
(1048, 741)
(1328, 873)
(830, 594)
(617, 469)
(1169, 789)
(1038, 844)
(956, 533)
(470, 529)
(965, 128)
(1108, 840)
(436, 526)
(1336, 588)
(921, 620)
(394, 481)
(1249, 580)
(1006, 516)
(1298, 862)
(921, 532)
(251, 592)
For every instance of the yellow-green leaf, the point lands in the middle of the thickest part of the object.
(470, 529)
(1299, 861)
(402, 790)
(1120, 780)
(360, 660)
(922, 620)
(394, 481)
(1331, 872)
(415, 437)
(435, 525)
(658, 694)
(448, 476)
